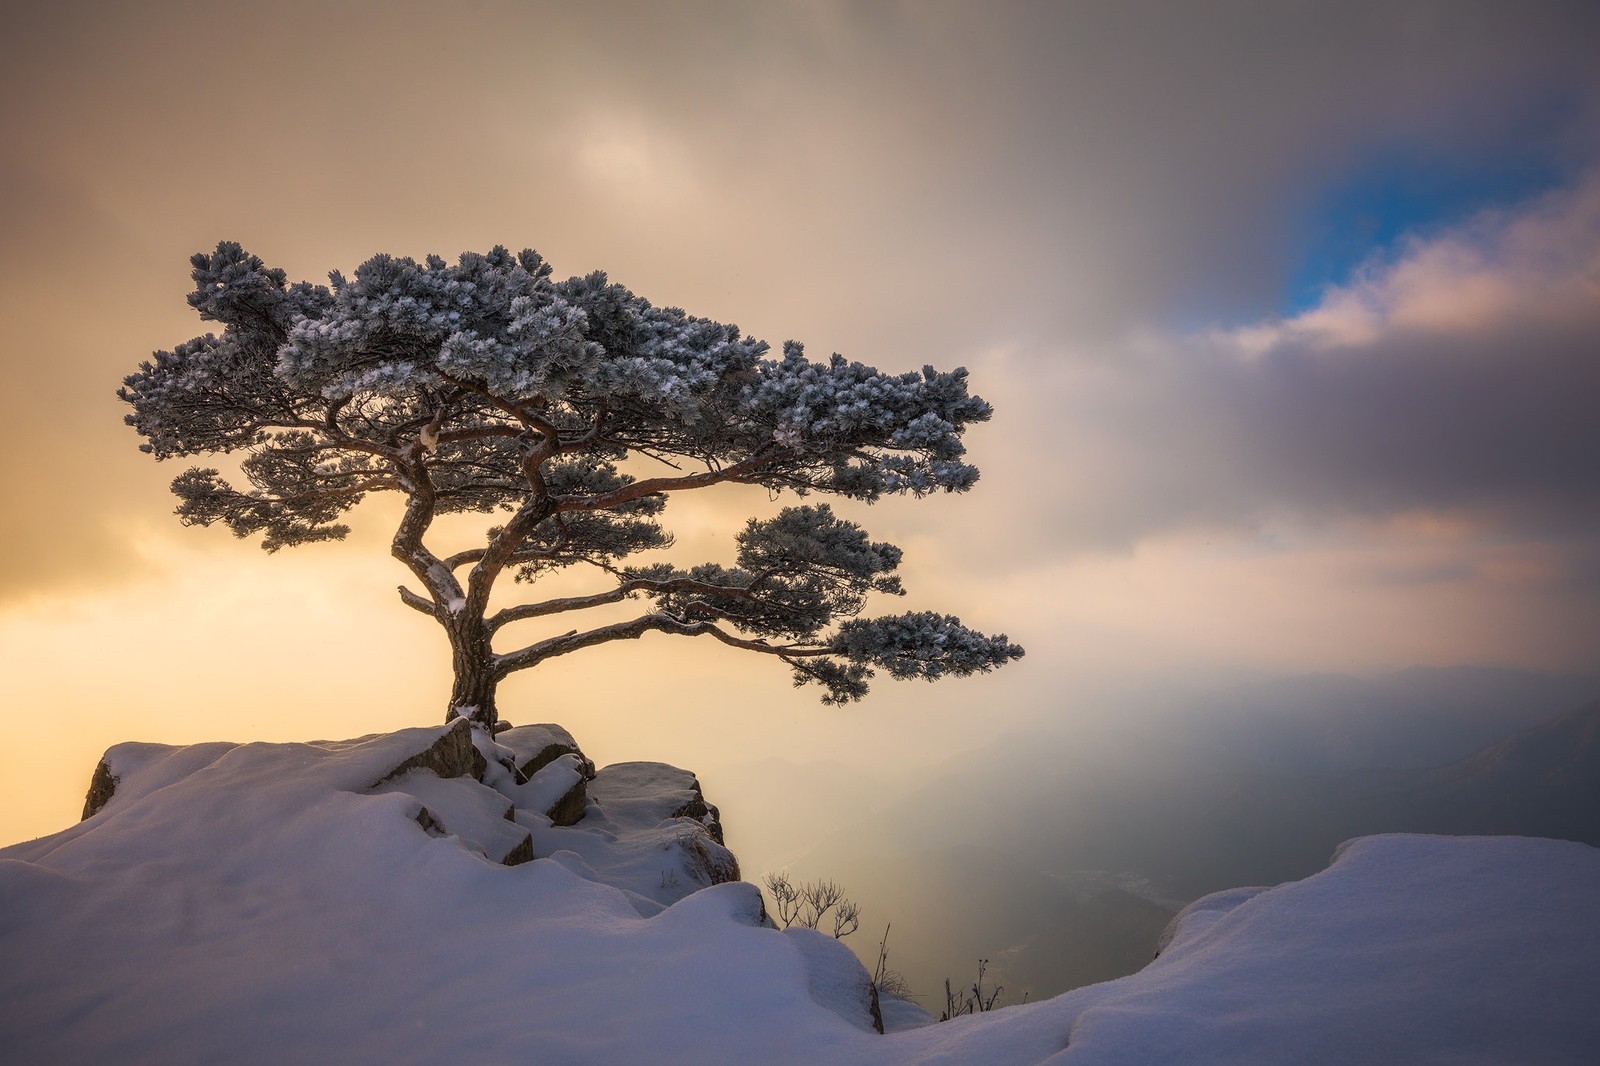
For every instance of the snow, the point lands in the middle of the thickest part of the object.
(480, 817)
(644, 793)
(549, 783)
(258, 903)
(901, 1014)
(526, 743)
(835, 978)
(629, 836)
(440, 577)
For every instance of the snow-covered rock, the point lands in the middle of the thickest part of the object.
(534, 746)
(642, 794)
(454, 754)
(558, 790)
(269, 903)
(479, 817)
(646, 829)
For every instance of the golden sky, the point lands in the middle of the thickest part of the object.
(1289, 316)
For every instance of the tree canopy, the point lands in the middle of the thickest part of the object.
(575, 409)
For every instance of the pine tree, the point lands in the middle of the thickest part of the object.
(485, 386)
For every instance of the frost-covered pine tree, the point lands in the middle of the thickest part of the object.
(574, 409)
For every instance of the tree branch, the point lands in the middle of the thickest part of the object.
(517, 411)
(523, 611)
(337, 437)
(416, 602)
(382, 483)
(654, 486)
(407, 544)
(534, 654)
(502, 548)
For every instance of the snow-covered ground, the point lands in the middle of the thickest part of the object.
(293, 903)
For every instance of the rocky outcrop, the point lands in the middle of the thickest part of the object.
(704, 813)
(569, 808)
(452, 755)
(648, 793)
(479, 817)
(101, 787)
(144, 767)
(709, 862)
(536, 746)
(643, 827)
(558, 790)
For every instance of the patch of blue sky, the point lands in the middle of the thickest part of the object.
(1397, 196)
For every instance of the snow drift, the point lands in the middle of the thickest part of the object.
(409, 898)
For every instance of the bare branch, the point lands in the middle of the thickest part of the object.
(462, 558)
(416, 602)
(557, 606)
(407, 544)
(628, 588)
(537, 653)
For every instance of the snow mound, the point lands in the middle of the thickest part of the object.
(479, 817)
(269, 903)
(834, 976)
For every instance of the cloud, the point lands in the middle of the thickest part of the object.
(1458, 376)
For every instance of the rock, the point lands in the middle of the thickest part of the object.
(520, 854)
(569, 808)
(130, 770)
(101, 787)
(646, 829)
(476, 815)
(708, 861)
(536, 746)
(706, 814)
(452, 755)
(648, 793)
(559, 790)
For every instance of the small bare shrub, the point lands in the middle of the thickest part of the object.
(810, 904)
(974, 1000)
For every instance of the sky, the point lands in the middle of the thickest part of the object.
(1290, 314)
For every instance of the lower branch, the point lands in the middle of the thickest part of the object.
(534, 654)
(524, 611)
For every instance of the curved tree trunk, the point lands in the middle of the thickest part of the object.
(472, 691)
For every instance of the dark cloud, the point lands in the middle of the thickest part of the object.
(1459, 380)
(1499, 423)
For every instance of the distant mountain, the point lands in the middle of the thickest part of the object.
(1060, 862)
(1543, 781)
(1420, 717)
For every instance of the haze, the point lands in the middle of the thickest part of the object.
(1289, 314)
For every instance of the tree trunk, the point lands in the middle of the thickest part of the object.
(472, 692)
